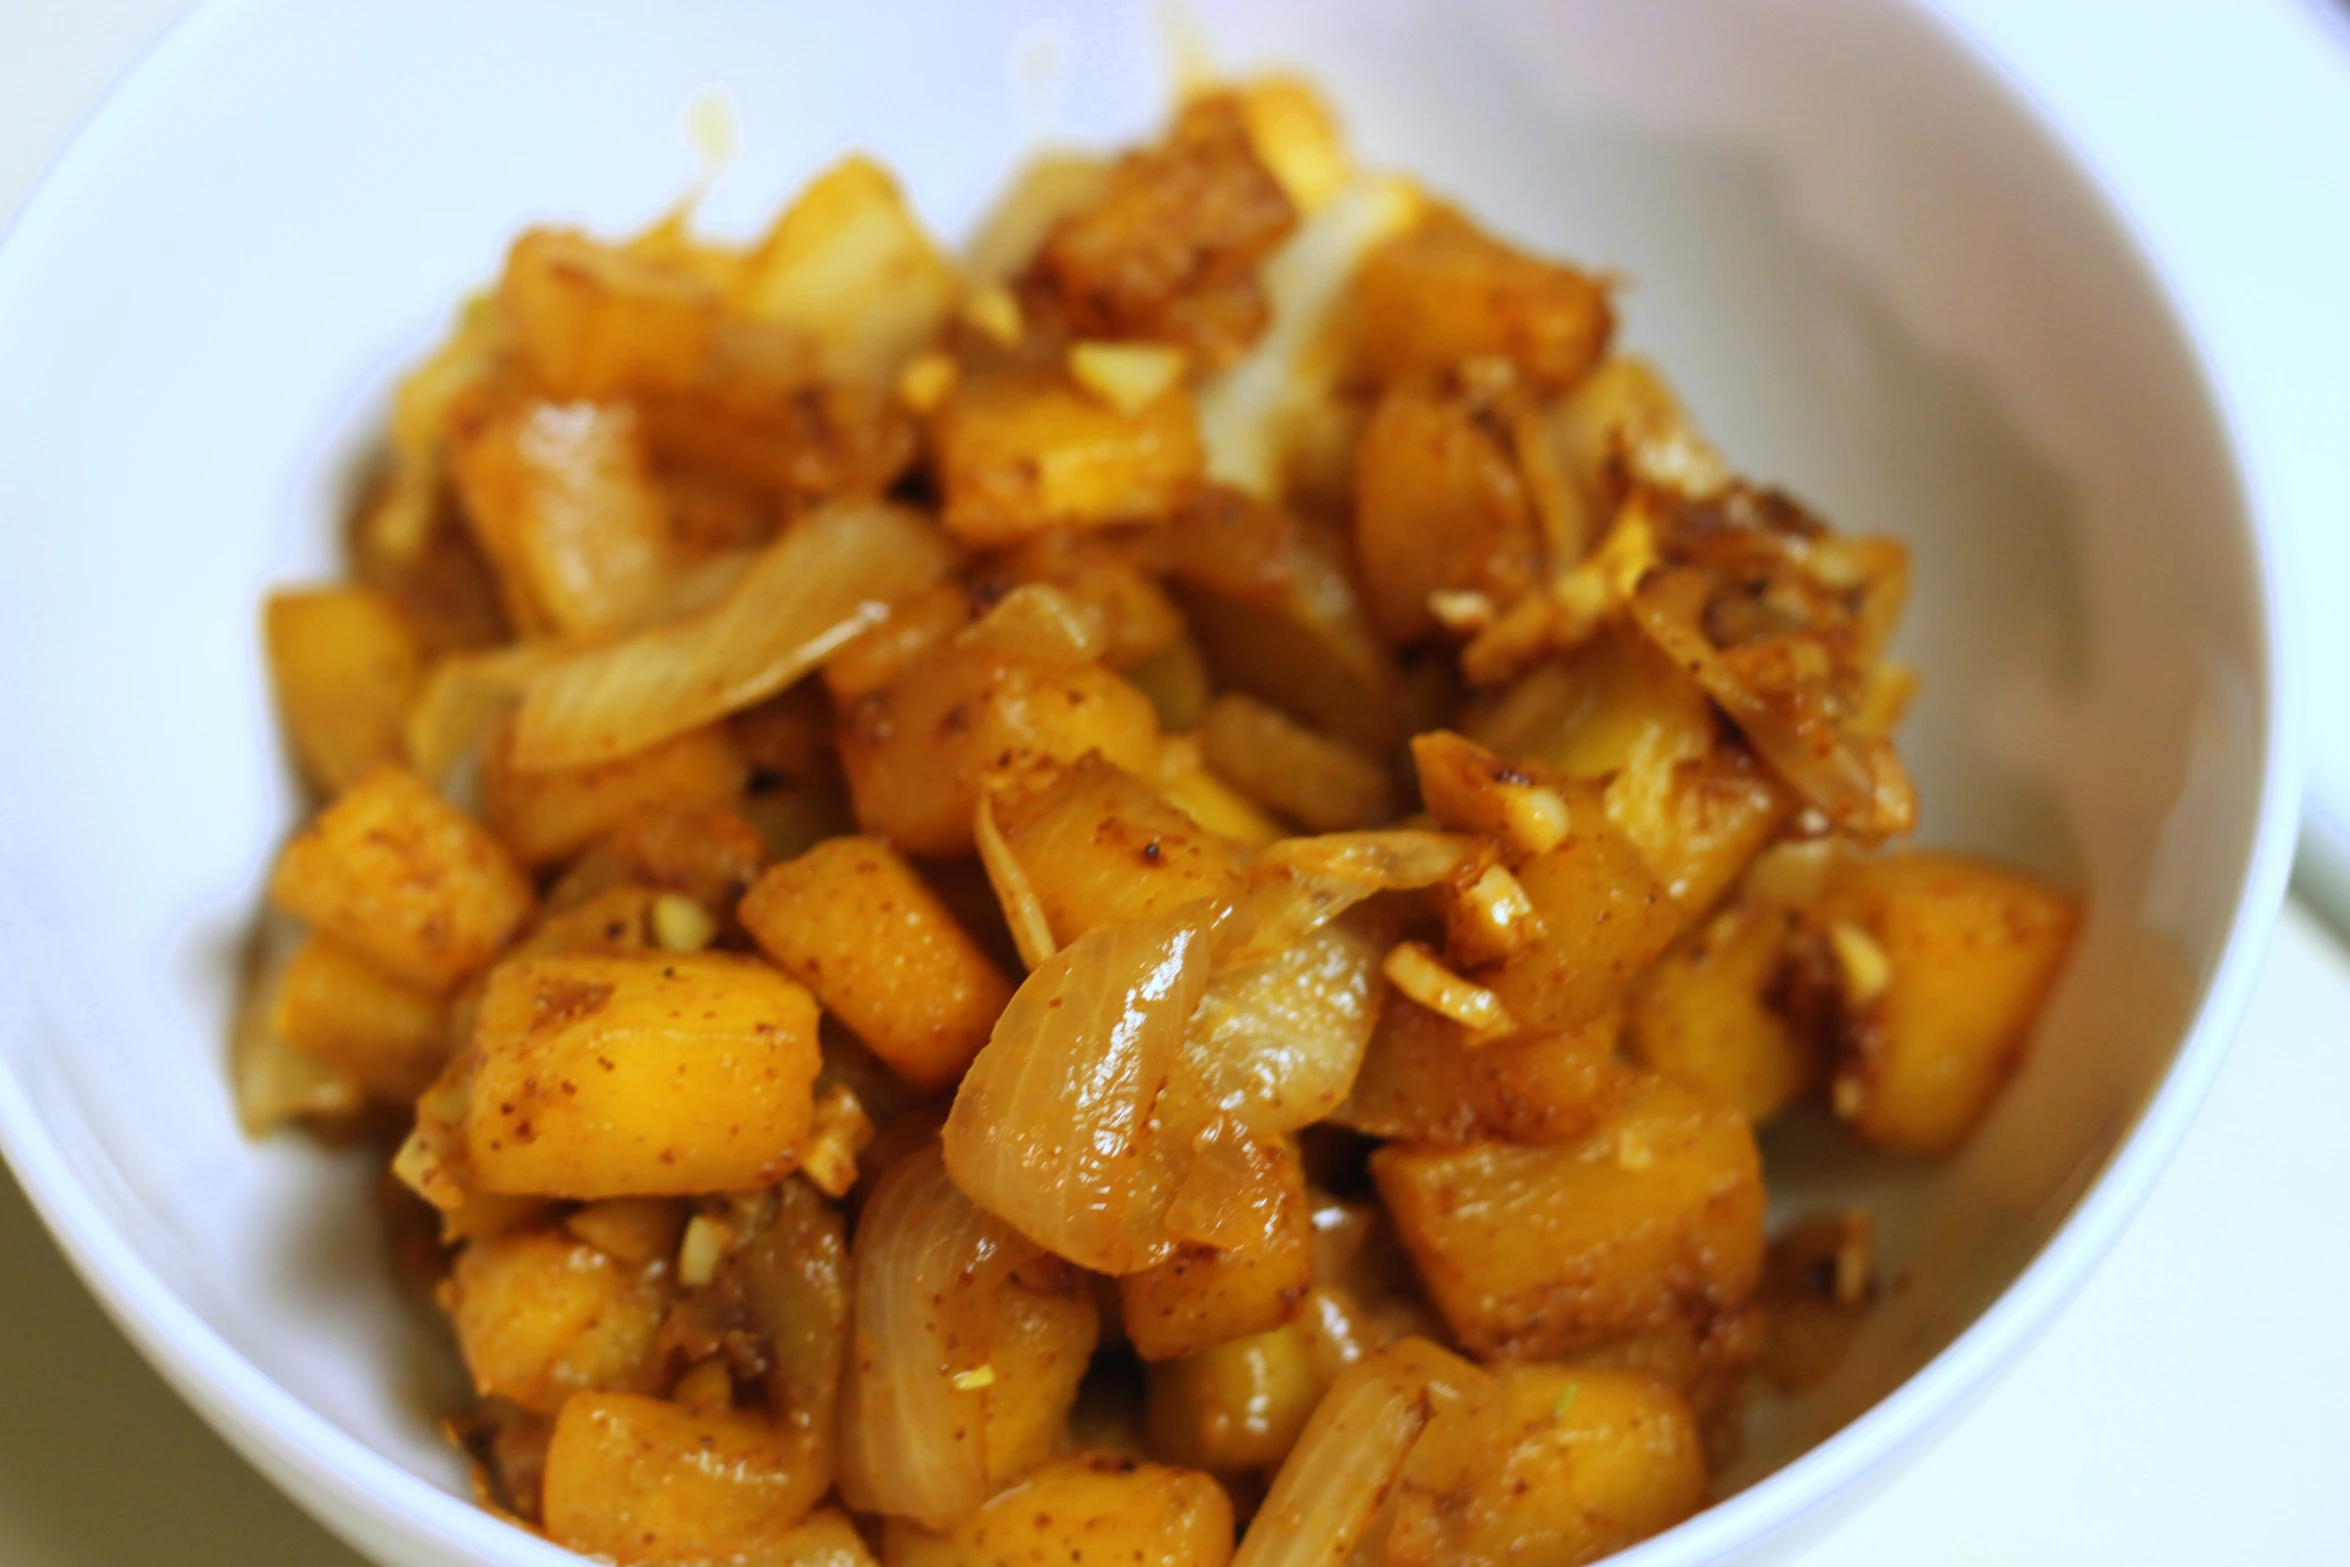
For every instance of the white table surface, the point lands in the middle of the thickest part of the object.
(2186, 1408)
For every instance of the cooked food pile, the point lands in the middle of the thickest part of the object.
(1130, 899)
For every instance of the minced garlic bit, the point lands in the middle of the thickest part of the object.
(838, 1131)
(706, 1244)
(706, 1389)
(1855, 1259)
(1461, 610)
(1867, 971)
(995, 314)
(927, 381)
(973, 1380)
(1848, 1096)
(1415, 971)
(682, 925)
(1497, 918)
(1127, 376)
(1632, 1151)
(1533, 818)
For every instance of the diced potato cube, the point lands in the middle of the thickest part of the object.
(1324, 782)
(562, 499)
(1708, 1357)
(1169, 247)
(1206, 1295)
(346, 667)
(397, 873)
(825, 1538)
(548, 816)
(707, 852)
(1469, 789)
(1446, 293)
(638, 1076)
(1605, 915)
(637, 1230)
(1045, 1326)
(1548, 1467)
(1083, 1508)
(596, 320)
(1701, 1015)
(1972, 951)
(848, 267)
(1617, 698)
(1438, 508)
(1423, 1081)
(850, 920)
(337, 1006)
(1532, 1253)
(1297, 138)
(918, 752)
(1176, 680)
(1236, 1405)
(1100, 847)
(541, 1316)
(1186, 783)
(1027, 450)
(634, 1479)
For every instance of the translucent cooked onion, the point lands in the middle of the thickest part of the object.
(831, 576)
(1052, 1129)
(927, 1267)
(1298, 885)
(1332, 1486)
(463, 699)
(796, 1271)
(1278, 1043)
(1032, 929)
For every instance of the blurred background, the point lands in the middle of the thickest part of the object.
(2183, 1410)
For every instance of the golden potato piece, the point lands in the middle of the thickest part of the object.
(1446, 293)
(1082, 1509)
(1027, 450)
(1532, 1253)
(1424, 1082)
(1702, 1015)
(850, 920)
(918, 752)
(635, 1479)
(598, 1076)
(338, 1007)
(1206, 1295)
(541, 1316)
(404, 878)
(1100, 847)
(1439, 508)
(595, 320)
(1326, 783)
(551, 815)
(346, 666)
(708, 852)
(1540, 1466)
(1236, 1405)
(1937, 1016)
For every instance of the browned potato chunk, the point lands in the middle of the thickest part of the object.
(346, 666)
(1708, 1357)
(1547, 1467)
(708, 852)
(1085, 1508)
(1025, 450)
(825, 1538)
(1423, 1080)
(1446, 293)
(1206, 1295)
(1438, 508)
(634, 1479)
(1533, 1253)
(1236, 1405)
(850, 920)
(1326, 783)
(1099, 847)
(918, 752)
(1169, 247)
(406, 879)
(1589, 715)
(1945, 963)
(1605, 914)
(1698, 823)
(1701, 1015)
(1045, 1326)
(561, 498)
(596, 320)
(541, 1316)
(549, 816)
(337, 1006)
(638, 1076)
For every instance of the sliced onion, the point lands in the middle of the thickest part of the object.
(1335, 1481)
(1032, 928)
(1298, 885)
(463, 699)
(1278, 1044)
(913, 1444)
(1053, 1129)
(796, 1269)
(833, 575)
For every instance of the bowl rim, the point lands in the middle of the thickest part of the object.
(314, 1460)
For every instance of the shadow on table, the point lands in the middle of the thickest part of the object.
(101, 1465)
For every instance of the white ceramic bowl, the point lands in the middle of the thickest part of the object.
(1875, 273)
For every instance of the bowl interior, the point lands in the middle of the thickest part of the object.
(1871, 274)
